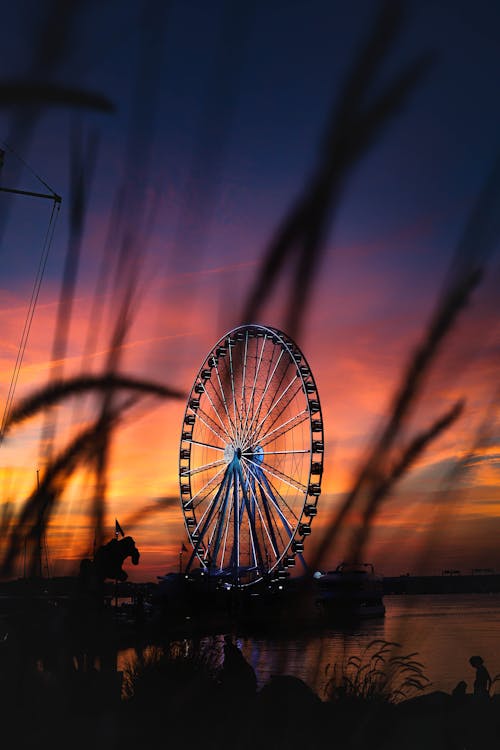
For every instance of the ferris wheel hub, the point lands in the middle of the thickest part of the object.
(229, 453)
(258, 454)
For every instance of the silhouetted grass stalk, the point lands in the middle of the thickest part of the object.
(357, 119)
(376, 676)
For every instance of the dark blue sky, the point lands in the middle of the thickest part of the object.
(242, 97)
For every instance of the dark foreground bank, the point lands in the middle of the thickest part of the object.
(175, 696)
(60, 686)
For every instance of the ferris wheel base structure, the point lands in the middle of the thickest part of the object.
(251, 457)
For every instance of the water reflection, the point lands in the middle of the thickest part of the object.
(309, 657)
(444, 630)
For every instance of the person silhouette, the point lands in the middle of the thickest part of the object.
(482, 683)
(237, 675)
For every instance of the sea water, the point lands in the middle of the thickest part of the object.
(443, 630)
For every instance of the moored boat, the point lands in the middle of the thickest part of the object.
(350, 591)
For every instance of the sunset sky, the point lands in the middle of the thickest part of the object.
(240, 102)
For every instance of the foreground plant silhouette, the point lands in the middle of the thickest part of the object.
(82, 450)
(379, 675)
(171, 667)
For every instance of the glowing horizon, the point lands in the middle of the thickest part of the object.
(354, 395)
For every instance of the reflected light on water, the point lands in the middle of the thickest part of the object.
(445, 631)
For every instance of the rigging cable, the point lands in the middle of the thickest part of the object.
(30, 169)
(31, 311)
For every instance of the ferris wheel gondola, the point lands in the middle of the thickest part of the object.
(251, 456)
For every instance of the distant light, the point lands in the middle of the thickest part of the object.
(280, 588)
(318, 574)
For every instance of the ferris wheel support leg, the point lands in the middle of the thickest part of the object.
(303, 562)
(218, 535)
(236, 530)
(269, 520)
(197, 545)
(260, 559)
(262, 477)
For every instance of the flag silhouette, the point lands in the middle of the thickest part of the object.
(183, 548)
(118, 529)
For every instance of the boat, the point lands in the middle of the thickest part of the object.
(351, 591)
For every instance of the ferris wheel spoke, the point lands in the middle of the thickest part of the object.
(216, 524)
(276, 493)
(283, 429)
(243, 383)
(208, 490)
(205, 445)
(264, 484)
(274, 514)
(252, 394)
(259, 560)
(233, 389)
(220, 521)
(198, 492)
(225, 537)
(235, 556)
(199, 413)
(230, 436)
(266, 388)
(291, 481)
(222, 392)
(189, 472)
(282, 477)
(208, 513)
(243, 507)
(278, 385)
(214, 424)
(209, 510)
(279, 453)
(266, 426)
(268, 527)
(272, 493)
(225, 406)
(290, 424)
(259, 420)
(257, 429)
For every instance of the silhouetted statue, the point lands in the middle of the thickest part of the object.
(482, 683)
(109, 558)
(90, 624)
(107, 563)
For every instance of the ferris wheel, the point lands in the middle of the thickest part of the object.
(251, 456)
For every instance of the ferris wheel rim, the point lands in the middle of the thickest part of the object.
(238, 460)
